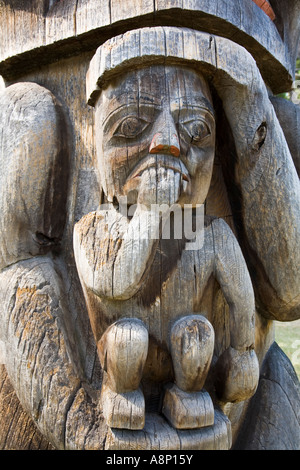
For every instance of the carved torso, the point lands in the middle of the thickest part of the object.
(114, 338)
(172, 287)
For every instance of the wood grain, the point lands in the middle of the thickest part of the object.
(34, 158)
(19, 433)
(55, 376)
(115, 254)
(73, 27)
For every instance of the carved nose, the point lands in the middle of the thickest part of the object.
(165, 143)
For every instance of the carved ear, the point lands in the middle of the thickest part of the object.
(34, 172)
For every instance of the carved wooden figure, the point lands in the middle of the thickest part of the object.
(156, 137)
(155, 133)
(150, 222)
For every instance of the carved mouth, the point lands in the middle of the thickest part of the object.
(158, 161)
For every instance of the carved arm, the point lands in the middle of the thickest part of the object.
(268, 184)
(42, 364)
(237, 368)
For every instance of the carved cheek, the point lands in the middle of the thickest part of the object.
(199, 163)
(117, 162)
(114, 169)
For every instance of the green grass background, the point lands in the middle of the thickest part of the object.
(287, 336)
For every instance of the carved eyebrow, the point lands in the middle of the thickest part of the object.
(194, 102)
(133, 100)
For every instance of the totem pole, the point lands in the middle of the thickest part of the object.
(150, 223)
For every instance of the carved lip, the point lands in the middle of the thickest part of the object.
(157, 161)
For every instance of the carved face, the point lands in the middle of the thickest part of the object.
(158, 120)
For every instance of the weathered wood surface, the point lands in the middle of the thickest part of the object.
(100, 268)
(37, 331)
(52, 30)
(158, 435)
(287, 23)
(40, 357)
(264, 176)
(17, 431)
(44, 323)
(186, 404)
(192, 341)
(281, 408)
(33, 190)
(260, 176)
(123, 350)
(193, 410)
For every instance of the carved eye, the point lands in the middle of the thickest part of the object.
(131, 127)
(197, 129)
